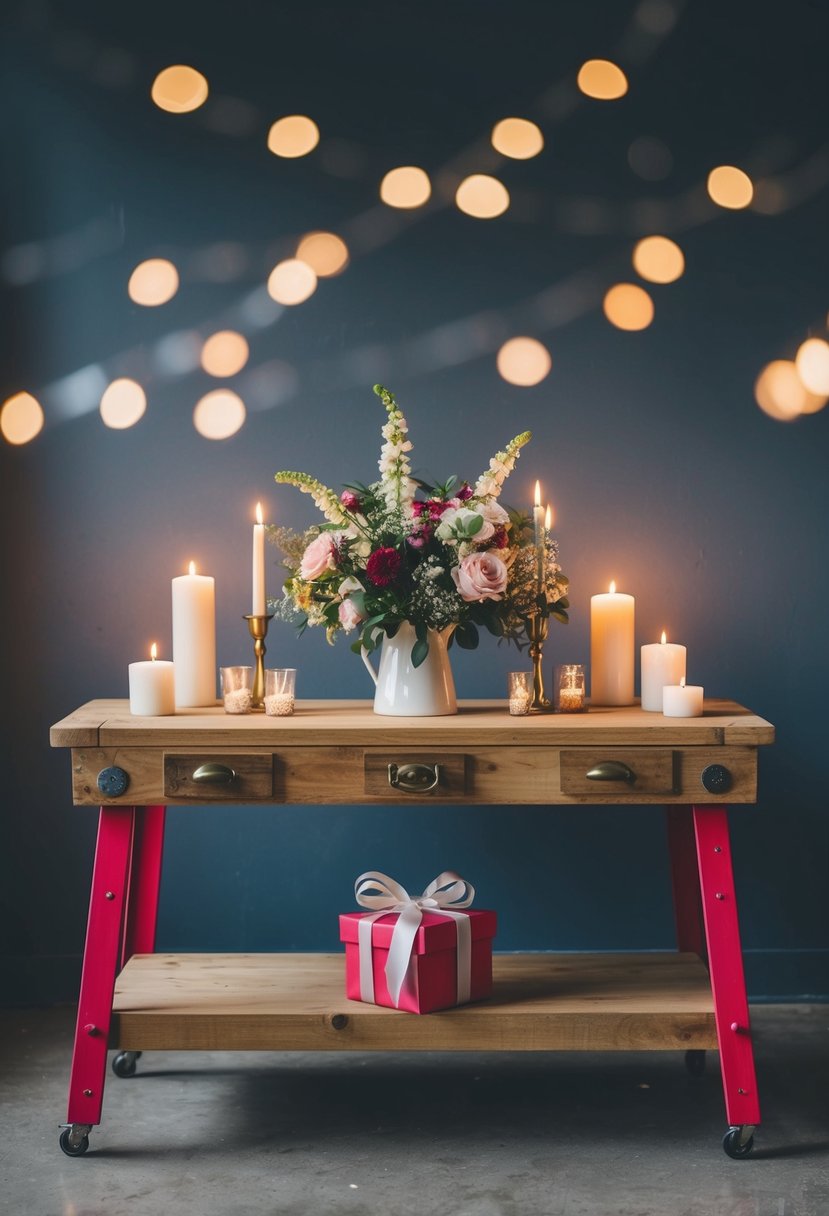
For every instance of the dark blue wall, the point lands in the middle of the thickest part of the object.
(664, 473)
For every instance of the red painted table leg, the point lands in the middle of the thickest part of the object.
(107, 904)
(725, 963)
(145, 881)
(690, 933)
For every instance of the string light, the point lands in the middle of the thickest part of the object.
(325, 252)
(293, 136)
(602, 80)
(730, 187)
(523, 361)
(224, 353)
(21, 418)
(780, 393)
(812, 362)
(518, 138)
(123, 404)
(482, 196)
(628, 307)
(406, 187)
(153, 282)
(658, 259)
(179, 89)
(219, 414)
(291, 282)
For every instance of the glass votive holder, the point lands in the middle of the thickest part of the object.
(568, 689)
(237, 689)
(280, 686)
(520, 691)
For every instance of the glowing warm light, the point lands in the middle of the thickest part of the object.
(518, 138)
(406, 187)
(602, 80)
(658, 259)
(523, 361)
(664, 637)
(812, 361)
(259, 513)
(482, 196)
(153, 652)
(21, 418)
(612, 587)
(219, 414)
(291, 282)
(153, 282)
(628, 307)
(179, 89)
(682, 681)
(537, 499)
(224, 353)
(730, 187)
(325, 252)
(548, 518)
(191, 569)
(123, 403)
(781, 394)
(292, 136)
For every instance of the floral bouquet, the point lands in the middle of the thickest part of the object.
(442, 557)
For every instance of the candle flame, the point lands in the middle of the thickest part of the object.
(664, 637)
(259, 513)
(538, 493)
(192, 567)
(613, 586)
(153, 652)
(548, 518)
(682, 682)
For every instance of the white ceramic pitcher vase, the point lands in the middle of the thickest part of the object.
(404, 690)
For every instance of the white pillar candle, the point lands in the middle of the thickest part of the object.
(194, 638)
(662, 663)
(152, 690)
(682, 700)
(611, 648)
(258, 608)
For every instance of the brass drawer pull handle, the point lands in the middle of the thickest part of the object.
(611, 770)
(414, 778)
(214, 774)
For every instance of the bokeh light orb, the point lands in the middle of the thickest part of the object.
(325, 252)
(658, 259)
(179, 89)
(224, 353)
(518, 138)
(602, 80)
(21, 418)
(219, 414)
(406, 187)
(153, 282)
(628, 307)
(291, 282)
(482, 196)
(523, 361)
(781, 394)
(730, 187)
(292, 136)
(812, 362)
(123, 403)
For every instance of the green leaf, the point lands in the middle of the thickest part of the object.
(419, 652)
(467, 636)
(473, 525)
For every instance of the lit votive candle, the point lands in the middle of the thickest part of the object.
(662, 663)
(682, 700)
(520, 692)
(152, 687)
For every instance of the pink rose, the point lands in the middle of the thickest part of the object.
(350, 618)
(318, 557)
(481, 576)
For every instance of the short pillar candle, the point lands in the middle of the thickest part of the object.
(152, 691)
(682, 700)
(662, 663)
(611, 648)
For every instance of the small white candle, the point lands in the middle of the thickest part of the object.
(258, 608)
(194, 638)
(662, 663)
(611, 648)
(682, 700)
(538, 527)
(152, 689)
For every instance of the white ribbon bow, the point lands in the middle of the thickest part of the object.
(448, 888)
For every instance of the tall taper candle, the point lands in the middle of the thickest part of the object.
(194, 638)
(611, 648)
(538, 526)
(258, 608)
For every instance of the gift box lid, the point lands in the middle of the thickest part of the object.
(436, 932)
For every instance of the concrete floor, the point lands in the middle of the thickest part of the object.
(218, 1134)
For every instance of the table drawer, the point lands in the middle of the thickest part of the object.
(625, 770)
(217, 776)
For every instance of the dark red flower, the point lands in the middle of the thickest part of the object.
(383, 566)
(465, 492)
(419, 508)
(351, 501)
(421, 537)
(500, 540)
(436, 507)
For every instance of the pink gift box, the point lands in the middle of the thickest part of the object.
(432, 977)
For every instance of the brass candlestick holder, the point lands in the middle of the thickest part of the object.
(537, 629)
(258, 626)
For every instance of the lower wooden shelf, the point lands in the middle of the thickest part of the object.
(296, 1002)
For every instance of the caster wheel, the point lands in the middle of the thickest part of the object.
(123, 1065)
(73, 1150)
(732, 1146)
(695, 1062)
